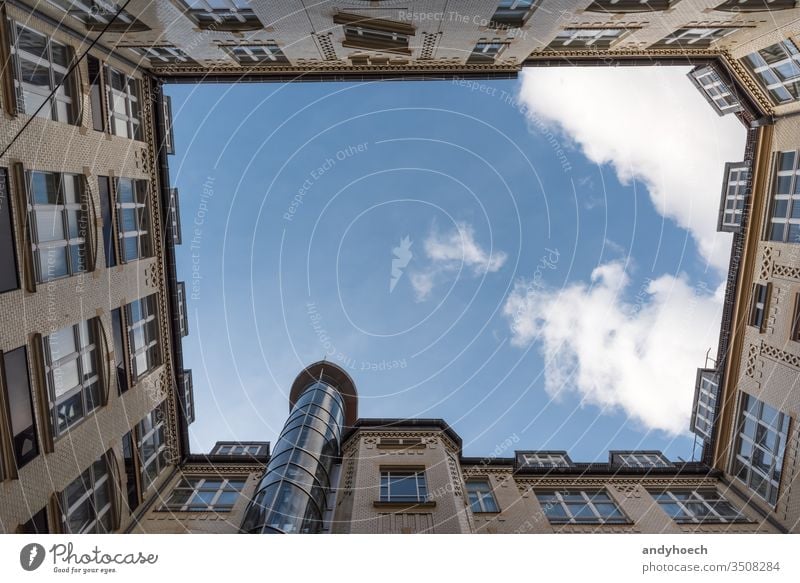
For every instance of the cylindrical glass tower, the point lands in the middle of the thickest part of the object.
(292, 495)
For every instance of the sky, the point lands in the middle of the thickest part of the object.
(533, 260)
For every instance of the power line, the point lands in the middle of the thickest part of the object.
(66, 76)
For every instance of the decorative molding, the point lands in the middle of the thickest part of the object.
(526, 486)
(767, 263)
(780, 356)
(444, 67)
(430, 41)
(224, 470)
(431, 436)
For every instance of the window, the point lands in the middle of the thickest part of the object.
(543, 459)
(223, 15)
(784, 219)
(755, 5)
(693, 506)
(257, 54)
(403, 486)
(9, 280)
(71, 364)
(628, 5)
(142, 325)
(152, 445)
(639, 459)
(20, 405)
(59, 224)
(96, 14)
(38, 524)
(760, 445)
(795, 334)
(580, 507)
(576, 38)
(235, 448)
(716, 91)
(735, 191)
(175, 216)
(758, 307)
(486, 52)
(776, 68)
(119, 350)
(133, 219)
(109, 250)
(41, 66)
(213, 494)
(183, 317)
(361, 32)
(705, 403)
(480, 496)
(511, 13)
(122, 93)
(86, 502)
(131, 485)
(163, 55)
(188, 395)
(694, 38)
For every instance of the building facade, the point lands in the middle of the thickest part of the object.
(95, 402)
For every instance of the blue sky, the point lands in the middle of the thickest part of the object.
(545, 277)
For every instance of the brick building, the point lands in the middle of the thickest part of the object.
(95, 402)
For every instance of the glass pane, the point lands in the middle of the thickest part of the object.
(44, 187)
(65, 377)
(49, 225)
(53, 263)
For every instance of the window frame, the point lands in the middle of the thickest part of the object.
(82, 209)
(708, 498)
(794, 332)
(587, 502)
(687, 38)
(232, 18)
(142, 212)
(481, 496)
(148, 310)
(92, 349)
(743, 469)
(95, 19)
(70, 97)
(543, 459)
(626, 6)
(151, 432)
(89, 477)
(733, 204)
(759, 306)
(18, 436)
(507, 13)
(374, 34)
(704, 407)
(766, 73)
(195, 484)
(787, 177)
(270, 49)
(389, 476)
(478, 56)
(160, 55)
(131, 96)
(747, 5)
(577, 37)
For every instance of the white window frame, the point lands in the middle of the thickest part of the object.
(544, 460)
(199, 484)
(151, 431)
(63, 95)
(97, 13)
(717, 90)
(635, 459)
(140, 190)
(742, 467)
(66, 209)
(779, 76)
(545, 499)
(711, 500)
(481, 495)
(162, 55)
(140, 343)
(95, 478)
(127, 98)
(88, 390)
(421, 486)
(256, 54)
(736, 180)
(586, 37)
(758, 306)
(704, 414)
(692, 35)
(791, 199)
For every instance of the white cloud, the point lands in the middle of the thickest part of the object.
(638, 355)
(652, 125)
(448, 253)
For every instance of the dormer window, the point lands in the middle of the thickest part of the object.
(223, 15)
(361, 32)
